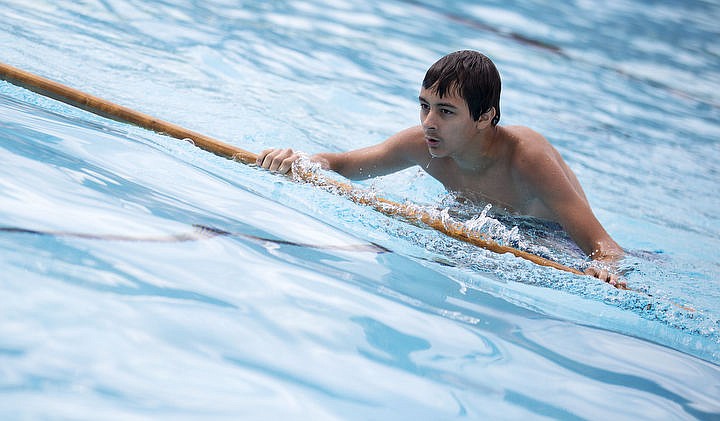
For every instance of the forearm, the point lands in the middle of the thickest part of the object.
(597, 244)
(362, 164)
(606, 250)
(398, 152)
(337, 162)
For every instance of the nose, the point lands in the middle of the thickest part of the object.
(427, 119)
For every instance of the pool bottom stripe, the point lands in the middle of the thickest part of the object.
(199, 233)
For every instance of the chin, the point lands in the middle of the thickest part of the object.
(437, 154)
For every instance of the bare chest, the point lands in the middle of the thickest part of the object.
(494, 185)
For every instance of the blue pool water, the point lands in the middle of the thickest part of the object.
(116, 305)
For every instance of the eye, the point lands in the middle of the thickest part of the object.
(424, 107)
(446, 111)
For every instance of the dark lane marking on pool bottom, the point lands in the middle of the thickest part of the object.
(476, 24)
(546, 46)
(201, 232)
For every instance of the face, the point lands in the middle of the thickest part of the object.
(447, 123)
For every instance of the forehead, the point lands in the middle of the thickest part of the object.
(450, 98)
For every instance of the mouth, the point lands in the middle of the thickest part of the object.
(431, 141)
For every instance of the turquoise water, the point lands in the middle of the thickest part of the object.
(303, 305)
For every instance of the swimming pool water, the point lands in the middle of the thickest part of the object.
(303, 305)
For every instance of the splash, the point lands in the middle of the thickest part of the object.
(486, 225)
(526, 234)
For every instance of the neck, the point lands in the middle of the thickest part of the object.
(482, 152)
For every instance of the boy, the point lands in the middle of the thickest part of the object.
(460, 144)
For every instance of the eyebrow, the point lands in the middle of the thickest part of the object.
(439, 104)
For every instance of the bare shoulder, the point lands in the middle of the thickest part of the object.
(411, 136)
(528, 147)
(537, 163)
(526, 139)
(411, 143)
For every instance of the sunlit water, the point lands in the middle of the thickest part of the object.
(295, 303)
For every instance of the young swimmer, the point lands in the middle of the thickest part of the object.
(460, 144)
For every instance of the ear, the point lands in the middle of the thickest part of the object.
(486, 119)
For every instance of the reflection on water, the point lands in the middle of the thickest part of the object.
(299, 304)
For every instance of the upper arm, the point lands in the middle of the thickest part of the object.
(554, 184)
(400, 151)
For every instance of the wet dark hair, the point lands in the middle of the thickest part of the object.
(470, 75)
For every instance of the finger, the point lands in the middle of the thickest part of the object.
(275, 159)
(612, 279)
(591, 271)
(620, 283)
(286, 165)
(278, 157)
(601, 274)
(261, 157)
(607, 276)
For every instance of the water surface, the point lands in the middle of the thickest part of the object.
(304, 305)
